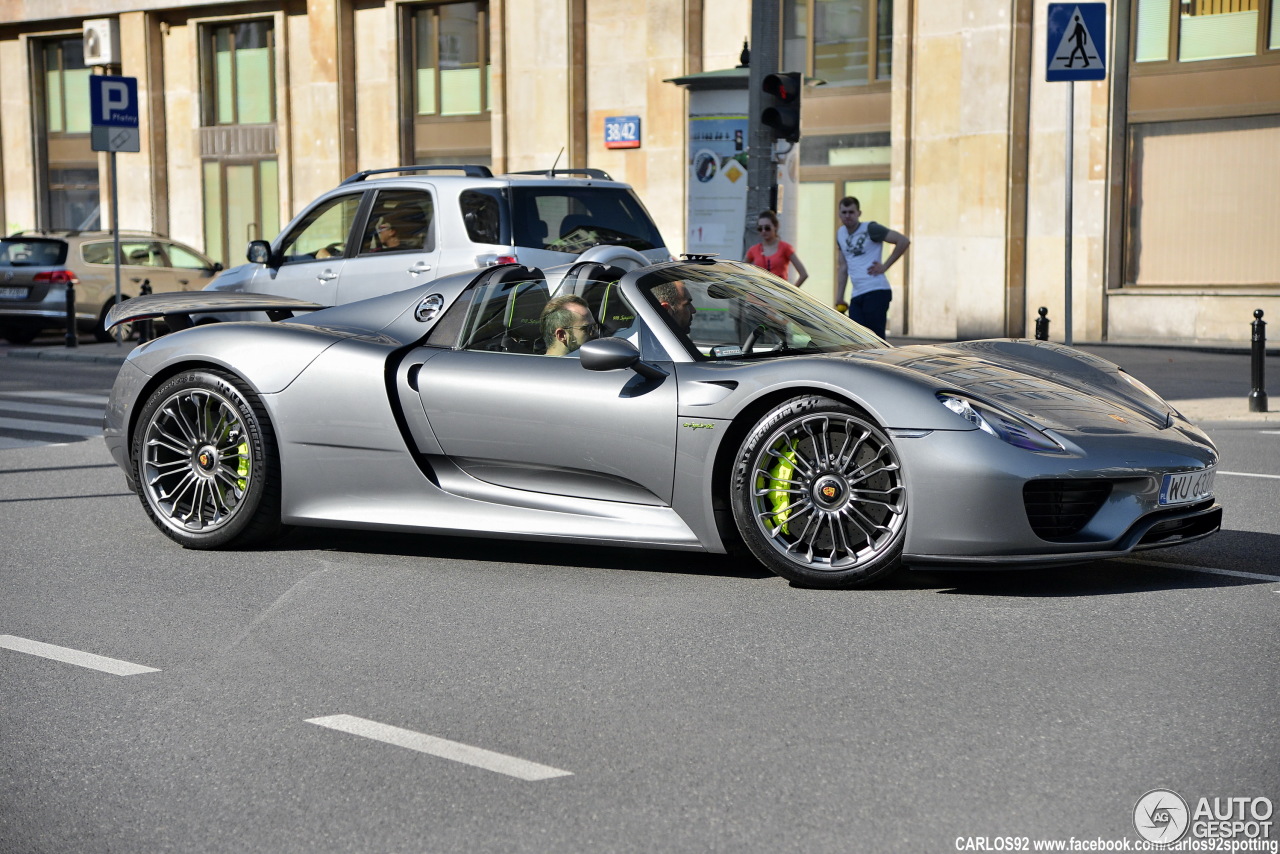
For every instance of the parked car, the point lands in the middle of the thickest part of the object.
(753, 415)
(36, 267)
(385, 230)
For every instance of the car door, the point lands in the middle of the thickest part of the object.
(190, 270)
(398, 248)
(545, 423)
(142, 262)
(310, 257)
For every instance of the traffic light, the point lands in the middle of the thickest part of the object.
(781, 104)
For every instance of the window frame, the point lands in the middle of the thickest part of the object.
(873, 81)
(209, 101)
(1263, 54)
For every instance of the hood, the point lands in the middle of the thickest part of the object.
(1059, 387)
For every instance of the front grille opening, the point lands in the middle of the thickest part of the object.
(1058, 509)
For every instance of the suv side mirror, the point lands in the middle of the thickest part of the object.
(614, 354)
(259, 252)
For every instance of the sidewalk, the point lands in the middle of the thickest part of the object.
(1206, 385)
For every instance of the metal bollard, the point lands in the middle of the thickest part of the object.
(73, 337)
(145, 329)
(1258, 397)
(1042, 325)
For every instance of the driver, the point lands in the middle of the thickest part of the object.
(567, 324)
(676, 302)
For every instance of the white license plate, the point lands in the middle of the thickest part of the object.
(1187, 487)
(14, 293)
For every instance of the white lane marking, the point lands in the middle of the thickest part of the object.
(1235, 573)
(23, 407)
(68, 396)
(1251, 474)
(1270, 432)
(445, 749)
(58, 428)
(74, 656)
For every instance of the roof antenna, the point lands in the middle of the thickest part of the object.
(552, 173)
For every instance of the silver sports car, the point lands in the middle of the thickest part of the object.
(694, 405)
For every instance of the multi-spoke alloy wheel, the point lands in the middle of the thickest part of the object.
(205, 459)
(819, 496)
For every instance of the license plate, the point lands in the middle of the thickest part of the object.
(1187, 487)
(14, 293)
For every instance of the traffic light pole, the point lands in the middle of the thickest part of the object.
(762, 175)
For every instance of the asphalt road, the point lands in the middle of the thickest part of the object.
(544, 698)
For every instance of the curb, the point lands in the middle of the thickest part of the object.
(74, 354)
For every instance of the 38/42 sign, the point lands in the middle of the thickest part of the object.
(622, 132)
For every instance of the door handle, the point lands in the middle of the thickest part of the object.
(326, 276)
(412, 376)
(420, 267)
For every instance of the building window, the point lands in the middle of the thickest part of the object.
(69, 166)
(240, 74)
(451, 70)
(1205, 29)
(843, 42)
(241, 203)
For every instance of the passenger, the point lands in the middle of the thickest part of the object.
(567, 324)
(676, 302)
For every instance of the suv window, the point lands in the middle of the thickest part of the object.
(184, 259)
(401, 221)
(141, 253)
(323, 233)
(482, 214)
(573, 219)
(34, 252)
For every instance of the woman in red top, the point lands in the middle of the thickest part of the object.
(773, 254)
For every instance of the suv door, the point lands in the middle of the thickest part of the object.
(398, 248)
(191, 269)
(311, 256)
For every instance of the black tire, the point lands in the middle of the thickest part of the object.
(818, 495)
(100, 333)
(204, 453)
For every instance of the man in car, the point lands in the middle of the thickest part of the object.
(567, 324)
(676, 302)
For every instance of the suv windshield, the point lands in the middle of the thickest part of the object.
(573, 219)
(32, 252)
(740, 311)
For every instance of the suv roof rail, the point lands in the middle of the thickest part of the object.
(599, 174)
(470, 171)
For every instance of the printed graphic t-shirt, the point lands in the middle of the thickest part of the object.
(862, 249)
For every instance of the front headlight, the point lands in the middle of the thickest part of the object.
(1003, 425)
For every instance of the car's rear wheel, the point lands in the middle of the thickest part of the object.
(19, 333)
(100, 332)
(819, 496)
(206, 460)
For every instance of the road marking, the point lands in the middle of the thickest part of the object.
(27, 408)
(1270, 432)
(1251, 474)
(445, 749)
(58, 428)
(74, 656)
(1209, 569)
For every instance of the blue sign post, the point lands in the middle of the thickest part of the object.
(113, 126)
(622, 132)
(1076, 49)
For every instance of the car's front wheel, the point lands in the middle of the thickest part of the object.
(205, 456)
(819, 496)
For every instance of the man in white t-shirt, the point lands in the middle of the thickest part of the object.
(861, 249)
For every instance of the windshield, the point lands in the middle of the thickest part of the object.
(32, 252)
(736, 311)
(573, 219)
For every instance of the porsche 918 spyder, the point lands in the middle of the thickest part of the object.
(704, 406)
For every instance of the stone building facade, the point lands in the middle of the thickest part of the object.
(935, 113)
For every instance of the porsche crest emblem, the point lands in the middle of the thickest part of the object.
(828, 492)
(204, 460)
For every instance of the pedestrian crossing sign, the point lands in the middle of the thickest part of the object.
(1077, 43)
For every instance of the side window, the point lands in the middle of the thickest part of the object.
(401, 221)
(141, 253)
(323, 233)
(97, 253)
(505, 315)
(482, 214)
(184, 259)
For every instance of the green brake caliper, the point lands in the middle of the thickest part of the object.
(242, 468)
(778, 481)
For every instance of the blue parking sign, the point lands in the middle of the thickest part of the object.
(1077, 45)
(113, 101)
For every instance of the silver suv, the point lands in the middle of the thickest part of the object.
(385, 230)
(36, 267)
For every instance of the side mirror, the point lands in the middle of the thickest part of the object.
(614, 354)
(259, 252)
(217, 267)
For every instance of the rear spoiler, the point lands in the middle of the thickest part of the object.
(177, 309)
